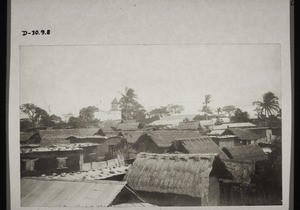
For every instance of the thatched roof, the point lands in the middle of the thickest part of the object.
(190, 125)
(241, 171)
(164, 138)
(133, 136)
(60, 135)
(243, 134)
(108, 125)
(129, 126)
(199, 145)
(183, 174)
(37, 192)
(246, 152)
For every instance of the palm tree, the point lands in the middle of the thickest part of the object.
(205, 107)
(219, 110)
(127, 101)
(269, 105)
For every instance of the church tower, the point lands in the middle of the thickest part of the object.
(114, 105)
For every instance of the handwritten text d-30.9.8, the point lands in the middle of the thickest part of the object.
(36, 32)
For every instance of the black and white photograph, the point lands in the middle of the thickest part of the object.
(161, 104)
(150, 125)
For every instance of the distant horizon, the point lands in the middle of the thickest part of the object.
(68, 78)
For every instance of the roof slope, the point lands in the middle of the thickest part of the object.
(190, 125)
(246, 152)
(200, 145)
(184, 174)
(48, 193)
(234, 125)
(133, 136)
(128, 126)
(244, 134)
(60, 135)
(164, 138)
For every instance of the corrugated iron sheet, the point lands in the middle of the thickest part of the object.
(51, 193)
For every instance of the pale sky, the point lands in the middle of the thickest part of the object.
(68, 78)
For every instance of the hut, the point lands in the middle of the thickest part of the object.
(51, 159)
(30, 137)
(246, 152)
(240, 188)
(54, 136)
(176, 179)
(40, 192)
(232, 137)
(244, 136)
(199, 145)
(161, 141)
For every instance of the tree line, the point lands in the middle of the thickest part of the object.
(268, 112)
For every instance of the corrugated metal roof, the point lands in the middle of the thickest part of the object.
(164, 138)
(200, 145)
(233, 125)
(49, 193)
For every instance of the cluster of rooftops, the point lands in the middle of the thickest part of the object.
(173, 161)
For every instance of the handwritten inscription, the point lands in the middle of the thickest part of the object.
(36, 32)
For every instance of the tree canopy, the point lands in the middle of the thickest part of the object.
(269, 105)
(229, 109)
(240, 116)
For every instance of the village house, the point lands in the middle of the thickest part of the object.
(107, 147)
(59, 136)
(176, 179)
(51, 159)
(199, 145)
(40, 191)
(232, 137)
(246, 152)
(160, 141)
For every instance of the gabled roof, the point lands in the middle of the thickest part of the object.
(130, 126)
(216, 132)
(190, 125)
(250, 152)
(199, 145)
(51, 193)
(164, 138)
(183, 174)
(243, 134)
(234, 125)
(60, 135)
(133, 136)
